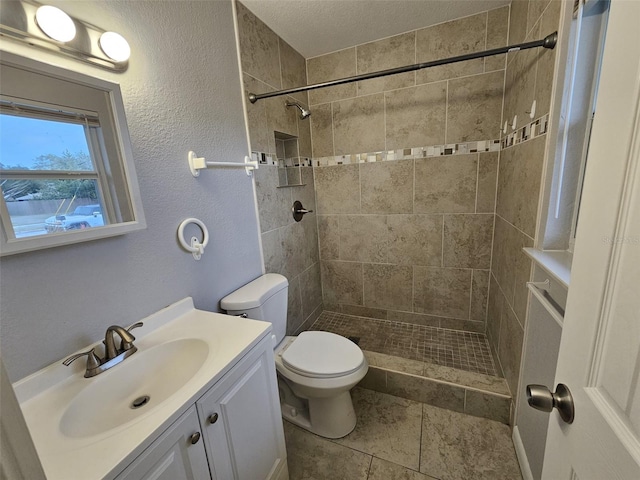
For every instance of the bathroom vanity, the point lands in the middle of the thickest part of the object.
(198, 400)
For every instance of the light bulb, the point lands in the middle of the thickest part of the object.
(115, 46)
(55, 23)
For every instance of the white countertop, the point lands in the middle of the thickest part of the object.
(45, 395)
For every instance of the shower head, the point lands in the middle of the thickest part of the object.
(304, 113)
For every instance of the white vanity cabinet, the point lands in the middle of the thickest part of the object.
(177, 454)
(238, 424)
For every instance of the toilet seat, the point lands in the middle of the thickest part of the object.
(322, 355)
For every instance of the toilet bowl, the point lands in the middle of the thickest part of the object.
(316, 370)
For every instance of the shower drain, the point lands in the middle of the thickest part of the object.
(140, 401)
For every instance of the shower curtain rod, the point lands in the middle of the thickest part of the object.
(548, 42)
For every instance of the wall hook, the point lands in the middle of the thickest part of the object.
(195, 247)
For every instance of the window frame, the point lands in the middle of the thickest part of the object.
(115, 170)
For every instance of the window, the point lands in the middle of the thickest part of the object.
(577, 111)
(65, 169)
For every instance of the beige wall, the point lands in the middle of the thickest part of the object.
(409, 239)
(290, 248)
(529, 76)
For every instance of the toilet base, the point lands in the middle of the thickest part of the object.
(329, 417)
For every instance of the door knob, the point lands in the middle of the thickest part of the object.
(213, 418)
(194, 438)
(541, 398)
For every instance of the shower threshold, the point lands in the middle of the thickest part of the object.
(446, 368)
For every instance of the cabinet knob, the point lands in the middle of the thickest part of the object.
(194, 438)
(213, 418)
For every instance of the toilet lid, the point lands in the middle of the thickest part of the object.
(322, 354)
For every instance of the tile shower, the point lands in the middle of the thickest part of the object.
(413, 229)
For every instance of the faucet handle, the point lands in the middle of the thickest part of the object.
(124, 345)
(93, 361)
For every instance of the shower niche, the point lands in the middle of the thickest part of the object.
(289, 161)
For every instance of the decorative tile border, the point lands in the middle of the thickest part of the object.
(529, 131)
(271, 159)
(410, 153)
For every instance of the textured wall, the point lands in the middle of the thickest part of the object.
(290, 248)
(410, 239)
(179, 95)
(529, 76)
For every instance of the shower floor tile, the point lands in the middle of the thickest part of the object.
(451, 348)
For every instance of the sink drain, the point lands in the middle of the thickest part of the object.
(140, 401)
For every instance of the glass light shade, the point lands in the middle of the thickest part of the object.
(115, 46)
(55, 23)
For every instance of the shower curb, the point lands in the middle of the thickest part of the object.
(465, 392)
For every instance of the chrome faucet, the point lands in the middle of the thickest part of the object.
(112, 355)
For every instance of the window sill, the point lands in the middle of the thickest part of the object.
(555, 262)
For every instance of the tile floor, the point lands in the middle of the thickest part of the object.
(399, 439)
(451, 348)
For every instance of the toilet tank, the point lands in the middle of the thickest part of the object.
(265, 298)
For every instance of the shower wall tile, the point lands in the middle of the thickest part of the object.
(322, 130)
(391, 52)
(536, 7)
(545, 57)
(474, 106)
(280, 118)
(494, 313)
(497, 36)
(519, 183)
(259, 135)
(387, 187)
(294, 307)
(332, 66)
(259, 52)
(358, 124)
(310, 289)
(310, 240)
(479, 294)
(519, 87)
(459, 324)
(416, 116)
(510, 348)
(274, 204)
(363, 238)
(518, 21)
(487, 182)
(467, 240)
(368, 312)
(293, 68)
(329, 237)
(273, 256)
(458, 37)
(293, 245)
(415, 239)
(341, 282)
(445, 185)
(442, 291)
(414, 318)
(304, 137)
(306, 194)
(387, 286)
(338, 189)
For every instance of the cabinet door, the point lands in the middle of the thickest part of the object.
(241, 420)
(173, 455)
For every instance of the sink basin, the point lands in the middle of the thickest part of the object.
(133, 388)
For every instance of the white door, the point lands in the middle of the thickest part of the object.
(600, 349)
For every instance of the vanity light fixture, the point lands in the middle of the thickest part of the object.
(55, 23)
(48, 28)
(115, 46)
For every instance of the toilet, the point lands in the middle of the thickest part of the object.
(316, 370)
